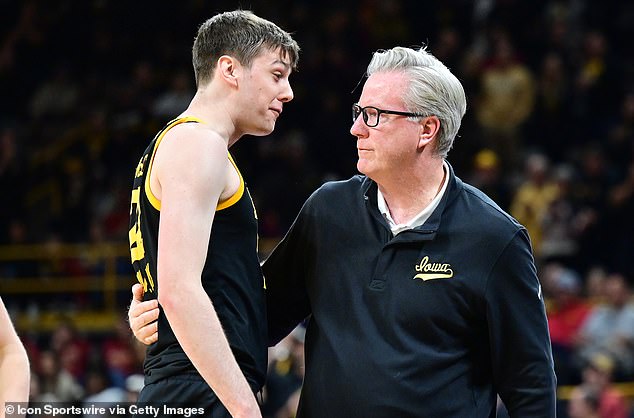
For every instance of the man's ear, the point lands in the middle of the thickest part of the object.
(228, 69)
(429, 128)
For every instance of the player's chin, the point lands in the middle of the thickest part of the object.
(264, 129)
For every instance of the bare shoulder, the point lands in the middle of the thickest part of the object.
(190, 143)
(194, 134)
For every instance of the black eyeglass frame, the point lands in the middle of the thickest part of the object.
(358, 110)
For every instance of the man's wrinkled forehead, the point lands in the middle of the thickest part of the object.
(383, 87)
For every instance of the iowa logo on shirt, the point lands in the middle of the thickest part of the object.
(431, 270)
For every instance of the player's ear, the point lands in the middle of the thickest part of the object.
(228, 69)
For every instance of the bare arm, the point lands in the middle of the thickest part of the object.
(192, 171)
(15, 374)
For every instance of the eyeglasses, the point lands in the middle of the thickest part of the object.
(371, 114)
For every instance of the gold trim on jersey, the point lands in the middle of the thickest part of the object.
(156, 202)
(237, 195)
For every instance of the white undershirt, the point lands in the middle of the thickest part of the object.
(422, 216)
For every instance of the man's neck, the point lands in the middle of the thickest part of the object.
(409, 195)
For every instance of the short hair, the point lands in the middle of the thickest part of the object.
(242, 35)
(433, 89)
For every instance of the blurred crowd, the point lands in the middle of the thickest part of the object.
(549, 135)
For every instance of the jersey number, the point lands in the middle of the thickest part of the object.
(137, 250)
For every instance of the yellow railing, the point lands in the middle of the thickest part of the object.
(626, 389)
(107, 283)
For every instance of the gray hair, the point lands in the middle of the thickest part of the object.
(433, 89)
(242, 35)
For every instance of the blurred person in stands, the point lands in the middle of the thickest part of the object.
(598, 375)
(506, 101)
(551, 117)
(285, 376)
(584, 402)
(15, 374)
(609, 327)
(566, 312)
(533, 197)
(119, 355)
(422, 293)
(562, 223)
(595, 285)
(55, 382)
(487, 176)
(71, 348)
(596, 80)
(100, 390)
(193, 226)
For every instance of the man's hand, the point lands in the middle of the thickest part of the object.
(142, 316)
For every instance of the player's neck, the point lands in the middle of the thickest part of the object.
(212, 109)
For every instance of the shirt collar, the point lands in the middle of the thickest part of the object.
(422, 216)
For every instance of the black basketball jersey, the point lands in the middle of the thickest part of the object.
(231, 275)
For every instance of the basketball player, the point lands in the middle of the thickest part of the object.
(193, 226)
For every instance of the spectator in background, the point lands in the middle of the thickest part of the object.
(595, 82)
(285, 376)
(609, 328)
(584, 402)
(595, 285)
(552, 109)
(533, 197)
(119, 355)
(70, 348)
(175, 100)
(487, 176)
(506, 101)
(595, 178)
(56, 382)
(14, 364)
(567, 311)
(101, 391)
(597, 375)
(562, 223)
(56, 96)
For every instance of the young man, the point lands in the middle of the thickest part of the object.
(422, 293)
(193, 229)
